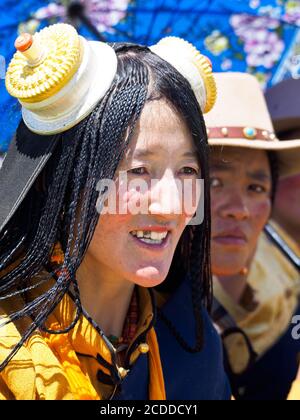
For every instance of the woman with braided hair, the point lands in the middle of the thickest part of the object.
(256, 287)
(104, 287)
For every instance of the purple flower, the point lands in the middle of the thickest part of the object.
(103, 14)
(262, 44)
(50, 11)
(292, 18)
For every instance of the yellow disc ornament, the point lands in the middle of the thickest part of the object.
(43, 63)
(59, 77)
(193, 65)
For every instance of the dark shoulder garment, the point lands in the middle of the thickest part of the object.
(188, 376)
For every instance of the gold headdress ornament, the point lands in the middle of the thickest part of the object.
(59, 77)
(194, 66)
(44, 63)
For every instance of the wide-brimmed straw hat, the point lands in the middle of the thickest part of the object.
(241, 118)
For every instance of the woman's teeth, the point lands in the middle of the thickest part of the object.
(149, 237)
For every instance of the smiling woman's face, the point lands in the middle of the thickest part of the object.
(241, 205)
(139, 247)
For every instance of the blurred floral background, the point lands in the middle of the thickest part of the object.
(258, 36)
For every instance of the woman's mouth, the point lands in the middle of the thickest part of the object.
(151, 239)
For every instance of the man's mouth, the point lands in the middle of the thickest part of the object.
(234, 237)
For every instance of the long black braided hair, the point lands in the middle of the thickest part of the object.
(61, 205)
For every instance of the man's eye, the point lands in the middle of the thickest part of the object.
(138, 171)
(260, 189)
(215, 183)
(187, 170)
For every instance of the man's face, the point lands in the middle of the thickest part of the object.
(241, 205)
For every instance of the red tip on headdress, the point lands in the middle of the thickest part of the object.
(23, 42)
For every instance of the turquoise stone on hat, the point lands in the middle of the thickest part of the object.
(250, 133)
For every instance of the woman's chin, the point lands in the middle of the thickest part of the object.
(149, 276)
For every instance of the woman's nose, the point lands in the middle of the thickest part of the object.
(166, 197)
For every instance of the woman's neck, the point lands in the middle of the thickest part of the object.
(105, 297)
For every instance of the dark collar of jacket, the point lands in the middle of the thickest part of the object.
(198, 376)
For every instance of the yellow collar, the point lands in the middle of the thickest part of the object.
(85, 339)
(48, 366)
(84, 336)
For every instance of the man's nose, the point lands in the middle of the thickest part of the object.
(236, 207)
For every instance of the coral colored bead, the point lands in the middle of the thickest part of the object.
(23, 42)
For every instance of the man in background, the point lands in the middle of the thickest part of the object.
(284, 106)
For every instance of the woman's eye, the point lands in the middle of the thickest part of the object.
(215, 183)
(189, 171)
(138, 171)
(259, 189)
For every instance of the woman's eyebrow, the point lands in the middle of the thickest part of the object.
(190, 155)
(140, 153)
